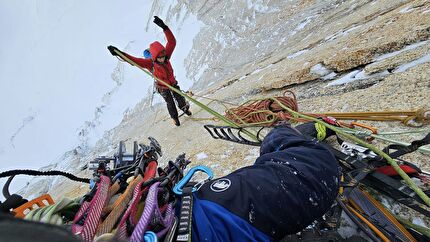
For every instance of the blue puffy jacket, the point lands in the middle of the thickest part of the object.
(292, 183)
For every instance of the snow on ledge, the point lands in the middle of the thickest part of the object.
(201, 156)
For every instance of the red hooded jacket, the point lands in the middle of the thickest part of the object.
(163, 71)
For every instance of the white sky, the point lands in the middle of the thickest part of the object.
(55, 69)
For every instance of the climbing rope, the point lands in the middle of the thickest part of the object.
(267, 112)
(53, 213)
(263, 111)
(201, 105)
(414, 118)
(390, 161)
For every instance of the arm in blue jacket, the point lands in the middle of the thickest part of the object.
(292, 183)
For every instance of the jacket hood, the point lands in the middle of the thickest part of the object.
(155, 48)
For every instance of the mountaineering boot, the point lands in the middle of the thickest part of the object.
(188, 112)
(186, 109)
(176, 121)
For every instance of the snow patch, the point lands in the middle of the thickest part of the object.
(411, 64)
(260, 6)
(320, 70)
(345, 79)
(407, 9)
(201, 156)
(255, 72)
(294, 55)
(341, 33)
(329, 76)
(408, 47)
(303, 24)
(418, 221)
(356, 75)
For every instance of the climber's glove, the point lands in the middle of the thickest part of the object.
(160, 23)
(112, 50)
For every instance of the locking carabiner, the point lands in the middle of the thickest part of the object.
(178, 187)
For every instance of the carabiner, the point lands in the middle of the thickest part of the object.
(178, 187)
(150, 236)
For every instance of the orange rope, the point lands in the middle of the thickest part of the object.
(266, 112)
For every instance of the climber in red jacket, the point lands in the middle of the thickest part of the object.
(159, 65)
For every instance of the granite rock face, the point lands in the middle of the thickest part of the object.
(337, 56)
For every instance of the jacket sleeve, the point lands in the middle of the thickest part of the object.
(145, 63)
(292, 183)
(171, 42)
(281, 138)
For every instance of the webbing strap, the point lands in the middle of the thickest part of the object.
(118, 208)
(185, 216)
(91, 211)
(152, 214)
(121, 233)
(138, 192)
(379, 216)
(401, 150)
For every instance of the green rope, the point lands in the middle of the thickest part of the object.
(380, 136)
(201, 105)
(52, 213)
(390, 161)
(396, 167)
(405, 132)
(418, 228)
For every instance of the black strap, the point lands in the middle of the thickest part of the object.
(13, 201)
(385, 184)
(44, 173)
(185, 216)
(401, 149)
(356, 220)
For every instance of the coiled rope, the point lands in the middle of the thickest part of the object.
(263, 111)
(266, 112)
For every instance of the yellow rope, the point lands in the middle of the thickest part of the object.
(321, 131)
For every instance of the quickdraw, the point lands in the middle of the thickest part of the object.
(95, 217)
